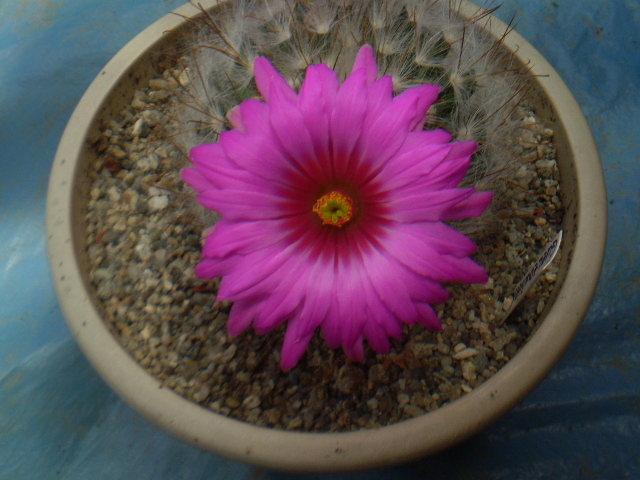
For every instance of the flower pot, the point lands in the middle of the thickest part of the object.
(583, 251)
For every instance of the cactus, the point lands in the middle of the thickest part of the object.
(416, 42)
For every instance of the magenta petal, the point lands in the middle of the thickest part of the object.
(255, 117)
(331, 329)
(448, 174)
(470, 207)
(277, 309)
(418, 166)
(318, 89)
(428, 317)
(235, 117)
(379, 314)
(224, 176)
(254, 275)
(391, 286)
(413, 104)
(350, 301)
(261, 156)
(442, 238)
(420, 153)
(366, 60)
(453, 169)
(294, 345)
(430, 137)
(239, 205)
(465, 270)
(419, 256)
(195, 179)
(429, 206)
(268, 78)
(379, 98)
(386, 132)
(317, 289)
(347, 118)
(213, 268)
(290, 129)
(316, 99)
(462, 150)
(242, 237)
(209, 153)
(355, 351)
(241, 316)
(377, 337)
(286, 299)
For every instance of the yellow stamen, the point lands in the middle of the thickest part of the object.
(334, 208)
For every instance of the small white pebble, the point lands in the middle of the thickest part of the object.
(146, 332)
(229, 353)
(251, 402)
(157, 84)
(158, 203)
(403, 398)
(469, 371)
(545, 164)
(114, 194)
(144, 251)
(137, 127)
(466, 353)
(506, 304)
(459, 347)
(120, 226)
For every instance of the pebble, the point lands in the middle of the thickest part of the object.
(151, 117)
(114, 194)
(158, 84)
(251, 402)
(506, 304)
(229, 353)
(403, 398)
(480, 361)
(350, 379)
(148, 163)
(469, 371)
(412, 411)
(466, 353)
(140, 128)
(158, 203)
(459, 347)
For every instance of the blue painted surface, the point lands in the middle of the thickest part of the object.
(59, 420)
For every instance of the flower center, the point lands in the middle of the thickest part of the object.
(334, 208)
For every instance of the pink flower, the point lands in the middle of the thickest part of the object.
(332, 202)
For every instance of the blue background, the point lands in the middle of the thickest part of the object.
(59, 420)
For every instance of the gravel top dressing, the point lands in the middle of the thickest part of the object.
(144, 241)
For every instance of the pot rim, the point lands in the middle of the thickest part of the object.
(326, 452)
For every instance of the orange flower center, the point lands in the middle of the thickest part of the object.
(334, 208)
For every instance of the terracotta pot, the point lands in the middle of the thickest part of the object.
(584, 227)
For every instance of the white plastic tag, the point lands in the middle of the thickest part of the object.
(545, 259)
